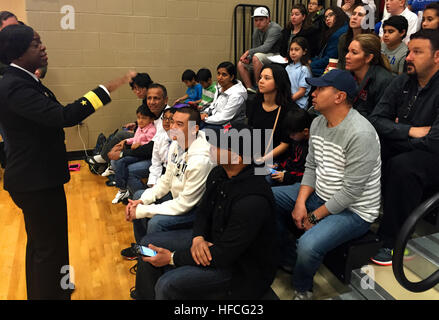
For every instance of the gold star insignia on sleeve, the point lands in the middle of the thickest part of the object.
(84, 102)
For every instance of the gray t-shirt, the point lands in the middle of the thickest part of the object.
(265, 42)
(396, 57)
(344, 165)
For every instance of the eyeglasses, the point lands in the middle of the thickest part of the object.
(167, 119)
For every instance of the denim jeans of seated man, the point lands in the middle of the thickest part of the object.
(136, 172)
(161, 222)
(120, 167)
(306, 255)
(185, 282)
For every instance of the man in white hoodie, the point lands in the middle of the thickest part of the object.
(171, 203)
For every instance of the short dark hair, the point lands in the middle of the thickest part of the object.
(189, 75)
(4, 15)
(159, 86)
(142, 80)
(194, 114)
(428, 34)
(297, 120)
(144, 111)
(14, 41)
(400, 23)
(204, 74)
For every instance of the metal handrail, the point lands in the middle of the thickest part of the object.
(398, 253)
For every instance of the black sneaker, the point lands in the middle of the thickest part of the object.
(129, 253)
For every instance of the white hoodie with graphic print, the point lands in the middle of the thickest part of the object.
(185, 178)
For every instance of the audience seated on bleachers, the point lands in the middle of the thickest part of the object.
(392, 46)
(144, 133)
(265, 43)
(156, 99)
(229, 101)
(194, 90)
(355, 27)
(339, 196)
(336, 22)
(204, 76)
(371, 71)
(268, 109)
(231, 253)
(298, 69)
(171, 203)
(398, 8)
(139, 85)
(407, 120)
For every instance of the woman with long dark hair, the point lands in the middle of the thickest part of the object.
(296, 28)
(355, 27)
(268, 109)
(337, 24)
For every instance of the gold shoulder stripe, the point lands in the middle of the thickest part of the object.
(94, 100)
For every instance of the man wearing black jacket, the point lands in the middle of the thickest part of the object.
(407, 121)
(36, 169)
(231, 252)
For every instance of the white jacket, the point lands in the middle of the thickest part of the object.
(185, 178)
(227, 105)
(159, 157)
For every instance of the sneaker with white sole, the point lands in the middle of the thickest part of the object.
(120, 195)
(307, 295)
(108, 172)
(385, 255)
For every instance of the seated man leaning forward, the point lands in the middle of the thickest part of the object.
(231, 253)
(171, 203)
(265, 43)
(339, 196)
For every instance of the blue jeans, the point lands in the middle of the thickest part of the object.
(313, 244)
(136, 172)
(121, 170)
(160, 222)
(185, 282)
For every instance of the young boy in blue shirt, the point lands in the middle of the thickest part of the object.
(194, 89)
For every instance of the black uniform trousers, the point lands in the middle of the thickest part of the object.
(406, 177)
(47, 250)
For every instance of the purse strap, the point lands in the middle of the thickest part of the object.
(272, 132)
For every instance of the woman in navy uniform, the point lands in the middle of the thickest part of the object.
(37, 168)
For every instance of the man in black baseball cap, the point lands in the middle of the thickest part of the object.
(231, 253)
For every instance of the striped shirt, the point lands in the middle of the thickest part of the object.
(344, 165)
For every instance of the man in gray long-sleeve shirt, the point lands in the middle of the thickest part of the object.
(265, 43)
(339, 196)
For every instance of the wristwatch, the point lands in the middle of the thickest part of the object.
(312, 218)
(172, 259)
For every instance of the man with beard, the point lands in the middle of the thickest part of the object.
(407, 120)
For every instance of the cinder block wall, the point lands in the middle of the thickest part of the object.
(161, 37)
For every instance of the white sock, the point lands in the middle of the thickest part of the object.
(98, 158)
